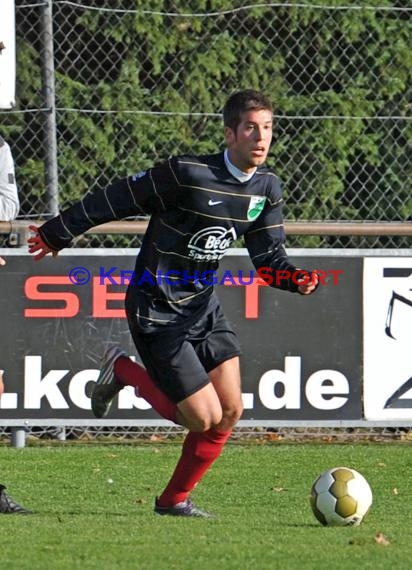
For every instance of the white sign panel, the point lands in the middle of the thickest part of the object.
(387, 305)
(8, 54)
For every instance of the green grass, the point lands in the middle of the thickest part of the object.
(259, 492)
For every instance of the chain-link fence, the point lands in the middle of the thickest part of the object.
(106, 89)
(260, 434)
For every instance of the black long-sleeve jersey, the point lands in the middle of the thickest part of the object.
(197, 210)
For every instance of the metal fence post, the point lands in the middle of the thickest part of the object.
(18, 437)
(49, 94)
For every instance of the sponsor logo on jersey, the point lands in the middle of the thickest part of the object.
(210, 244)
(256, 205)
(214, 202)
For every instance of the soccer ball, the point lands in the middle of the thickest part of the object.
(340, 497)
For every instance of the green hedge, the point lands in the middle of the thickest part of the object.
(312, 62)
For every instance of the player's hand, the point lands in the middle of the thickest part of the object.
(310, 286)
(38, 246)
(2, 261)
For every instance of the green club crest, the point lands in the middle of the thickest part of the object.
(256, 205)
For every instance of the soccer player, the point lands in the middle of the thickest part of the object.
(198, 205)
(7, 505)
(9, 208)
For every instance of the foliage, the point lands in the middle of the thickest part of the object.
(113, 67)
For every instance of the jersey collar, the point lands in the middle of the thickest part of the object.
(234, 171)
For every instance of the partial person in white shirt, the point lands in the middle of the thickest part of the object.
(9, 208)
(9, 199)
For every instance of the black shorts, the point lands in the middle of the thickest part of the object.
(178, 360)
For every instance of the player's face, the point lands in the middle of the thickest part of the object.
(249, 145)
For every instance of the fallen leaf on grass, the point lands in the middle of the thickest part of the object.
(380, 538)
(156, 437)
(407, 436)
(273, 436)
(140, 501)
(279, 489)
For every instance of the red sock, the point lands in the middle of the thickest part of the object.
(199, 451)
(132, 374)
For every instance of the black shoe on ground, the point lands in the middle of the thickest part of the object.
(10, 507)
(184, 509)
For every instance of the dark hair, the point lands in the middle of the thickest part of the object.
(242, 101)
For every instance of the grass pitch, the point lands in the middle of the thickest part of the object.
(93, 509)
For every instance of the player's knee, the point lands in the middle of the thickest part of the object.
(205, 422)
(231, 415)
(199, 425)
